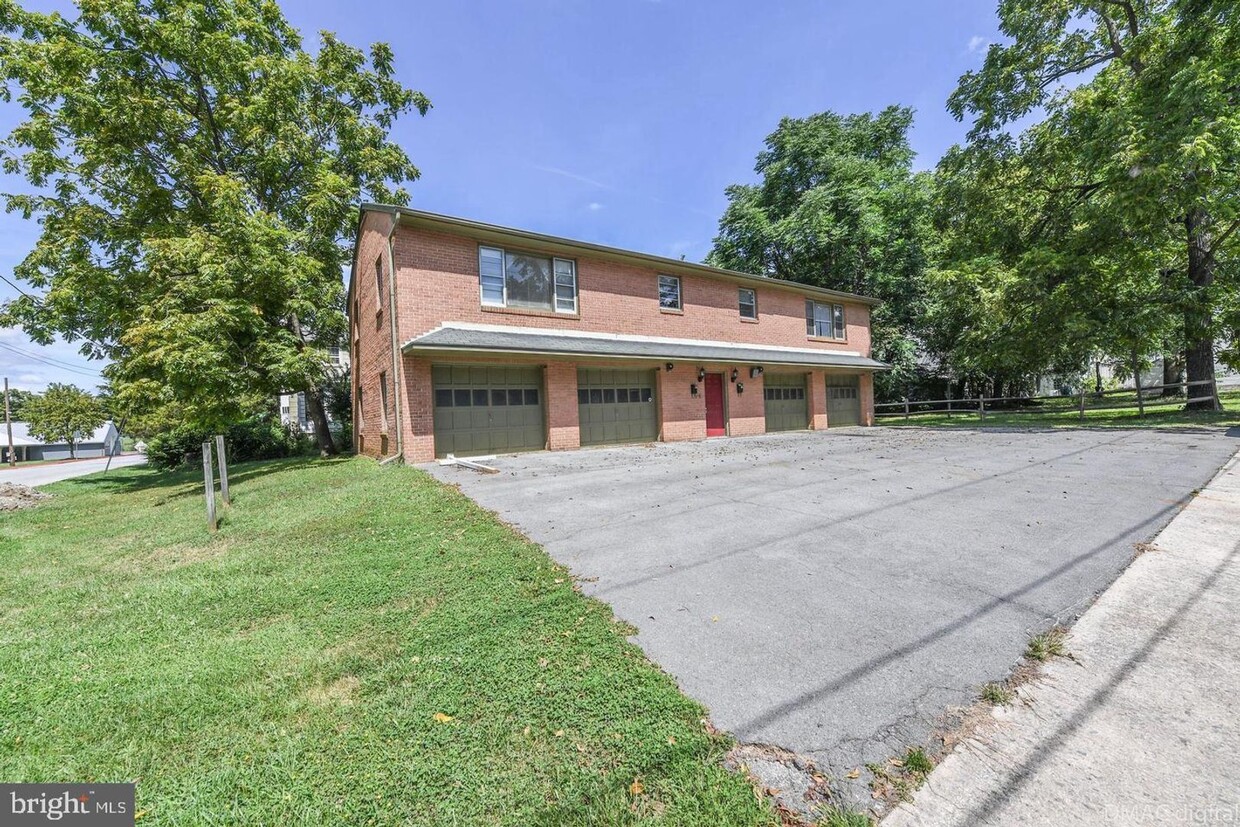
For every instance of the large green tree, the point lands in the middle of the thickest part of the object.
(839, 206)
(195, 172)
(63, 413)
(1110, 223)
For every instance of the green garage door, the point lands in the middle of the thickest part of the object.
(843, 401)
(787, 408)
(616, 405)
(486, 410)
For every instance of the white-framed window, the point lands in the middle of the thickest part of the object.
(669, 293)
(824, 321)
(383, 401)
(509, 278)
(379, 282)
(748, 301)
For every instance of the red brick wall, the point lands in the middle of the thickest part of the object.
(438, 277)
(563, 424)
(371, 342)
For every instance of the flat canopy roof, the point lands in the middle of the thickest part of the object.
(465, 338)
(497, 234)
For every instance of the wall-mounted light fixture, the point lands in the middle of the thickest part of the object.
(701, 374)
(670, 366)
(755, 371)
(735, 373)
(693, 389)
(740, 387)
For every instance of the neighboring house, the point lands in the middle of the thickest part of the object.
(101, 442)
(293, 409)
(1063, 385)
(503, 340)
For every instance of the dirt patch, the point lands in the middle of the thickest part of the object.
(14, 496)
(340, 692)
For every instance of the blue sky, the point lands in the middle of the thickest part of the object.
(614, 121)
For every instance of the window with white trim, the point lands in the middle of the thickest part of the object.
(383, 401)
(748, 300)
(379, 282)
(669, 293)
(824, 321)
(508, 278)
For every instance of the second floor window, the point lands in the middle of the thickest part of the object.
(669, 293)
(824, 321)
(513, 279)
(748, 303)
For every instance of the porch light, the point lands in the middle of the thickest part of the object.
(735, 373)
(670, 366)
(693, 389)
(740, 387)
(755, 371)
(701, 374)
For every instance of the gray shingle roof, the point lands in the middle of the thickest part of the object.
(515, 340)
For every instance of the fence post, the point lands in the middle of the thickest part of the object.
(981, 407)
(219, 453)
(906, 409)
(1082, 408)
(949, 407)
(210, 485)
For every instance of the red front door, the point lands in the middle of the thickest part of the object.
(714, 405)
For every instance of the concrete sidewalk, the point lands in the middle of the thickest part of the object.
(1143, 726)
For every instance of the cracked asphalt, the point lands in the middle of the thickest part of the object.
(837, 593)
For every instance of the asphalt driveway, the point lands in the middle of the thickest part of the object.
(47, 473)
(835, 593)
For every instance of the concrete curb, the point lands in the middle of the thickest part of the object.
(1140, 727)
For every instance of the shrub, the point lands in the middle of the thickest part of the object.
(258, 438)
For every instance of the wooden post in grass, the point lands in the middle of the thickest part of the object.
(981, 406)
(8, 424)
(209, 481)
(1082, 414)
(219, 453)
(906, 409)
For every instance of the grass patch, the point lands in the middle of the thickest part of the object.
(1158, 413)
(357, 645)
(996, 694)
(1049, 644)
(916, 762)
(830, 816)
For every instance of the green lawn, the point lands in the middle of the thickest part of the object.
(1157, 413)
(289, 670)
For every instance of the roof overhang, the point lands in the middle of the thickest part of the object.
(496, 234)
(464, 338)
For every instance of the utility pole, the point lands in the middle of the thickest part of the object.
(8, 424)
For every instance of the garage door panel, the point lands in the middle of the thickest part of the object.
(616, 405)
(843, 401)
(487, 409)
(786, 402)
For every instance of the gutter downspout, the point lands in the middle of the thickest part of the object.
(398, 384)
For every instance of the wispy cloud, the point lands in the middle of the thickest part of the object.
(572, 176)
(594, 206)
(977, 43)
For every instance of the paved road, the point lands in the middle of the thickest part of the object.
(55, 472)
(834, 593)
(1141, 727)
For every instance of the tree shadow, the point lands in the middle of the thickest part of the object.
(188, 482)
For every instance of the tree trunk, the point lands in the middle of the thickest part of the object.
(322, 433)
(1198, 329)
(1173, 373)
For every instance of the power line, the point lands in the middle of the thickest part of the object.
(46, 358)
(78, 370)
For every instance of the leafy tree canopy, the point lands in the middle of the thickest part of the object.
(1110, 224)
(195, 172)
(63, 413)
(838, 206)
(17, 401)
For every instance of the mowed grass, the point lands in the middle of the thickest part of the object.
(1158, 413)
(357, 645)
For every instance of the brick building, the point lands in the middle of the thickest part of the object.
(469, 338)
